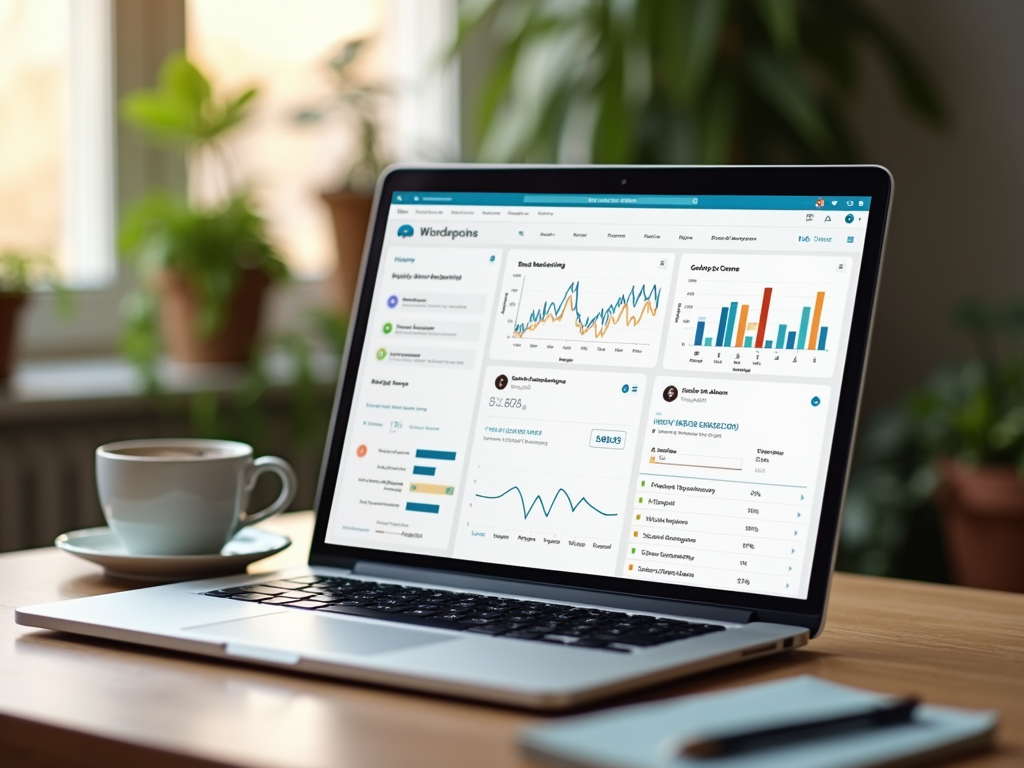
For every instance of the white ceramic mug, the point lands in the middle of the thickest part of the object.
(180, 496)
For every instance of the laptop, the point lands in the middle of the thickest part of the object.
(592, 433)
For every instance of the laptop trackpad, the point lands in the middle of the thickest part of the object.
(305, 634)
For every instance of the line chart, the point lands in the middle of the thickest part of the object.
(576, 307)
(546, 509)
(628, 308)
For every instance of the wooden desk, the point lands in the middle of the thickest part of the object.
(67, 701)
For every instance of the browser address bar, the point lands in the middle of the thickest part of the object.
(647, 200)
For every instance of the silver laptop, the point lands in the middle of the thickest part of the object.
(592, 433)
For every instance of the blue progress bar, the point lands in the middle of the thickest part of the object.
(415, 506)
(422, 453)
(424, 471)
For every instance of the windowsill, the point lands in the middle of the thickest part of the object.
(94, 323)
(46, 389)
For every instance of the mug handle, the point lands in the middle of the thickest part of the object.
(282, 469)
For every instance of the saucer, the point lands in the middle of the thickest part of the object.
(101, 546)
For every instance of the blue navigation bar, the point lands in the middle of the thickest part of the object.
(731, 202)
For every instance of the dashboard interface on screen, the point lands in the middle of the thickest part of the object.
(639, 387)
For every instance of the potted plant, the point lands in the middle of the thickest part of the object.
(203, 269)
(676, 82)
(358, 103)
(957, 447)
(19, 274)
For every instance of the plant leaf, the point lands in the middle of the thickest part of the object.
(781, 19)
(782, 87)
(180, 79)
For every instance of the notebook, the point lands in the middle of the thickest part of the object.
(649, 735)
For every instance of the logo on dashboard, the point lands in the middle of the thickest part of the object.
(406, 230)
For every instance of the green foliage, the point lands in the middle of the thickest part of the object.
(22, 272)
(25, 272)
(212, 247)
(972, 412)
(182, 110)
(680, 81)
(360, 104)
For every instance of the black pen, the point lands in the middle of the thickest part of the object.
(896, 713)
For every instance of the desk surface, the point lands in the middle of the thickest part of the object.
(69, 701)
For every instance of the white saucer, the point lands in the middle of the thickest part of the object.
(101, 546)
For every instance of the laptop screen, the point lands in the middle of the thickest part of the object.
(639, 387)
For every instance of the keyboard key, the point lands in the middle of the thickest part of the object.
(311, 605)
(524, 634)
(250, 597)
(489, 629)
(586, 642)
(264, 590)
(560, 638)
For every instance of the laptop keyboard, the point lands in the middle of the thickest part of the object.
(467, 612)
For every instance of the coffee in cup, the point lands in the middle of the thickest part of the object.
(182, 496)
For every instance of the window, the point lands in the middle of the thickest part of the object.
(60, 60)
(34, 75)
(55, 135)
(284, 48)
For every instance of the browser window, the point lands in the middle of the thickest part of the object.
(641, 387)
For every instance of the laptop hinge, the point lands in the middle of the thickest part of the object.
(554, 592)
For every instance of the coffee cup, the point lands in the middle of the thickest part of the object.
(180, 496)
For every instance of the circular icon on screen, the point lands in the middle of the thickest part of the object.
(501, 382)
(392, 301)
(361, 451)
(388, 328)
(849, 218)
(670, 393)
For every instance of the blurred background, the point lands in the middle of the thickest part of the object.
(147, 146)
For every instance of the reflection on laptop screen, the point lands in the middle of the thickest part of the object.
(641, 387)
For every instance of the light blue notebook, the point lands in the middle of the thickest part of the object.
(649, 735)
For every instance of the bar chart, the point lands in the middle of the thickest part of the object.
(811, 334)
(768, 315)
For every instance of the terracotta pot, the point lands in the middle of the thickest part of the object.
(983, 522)
(233, 342)
(351, 214)
(10, 307)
